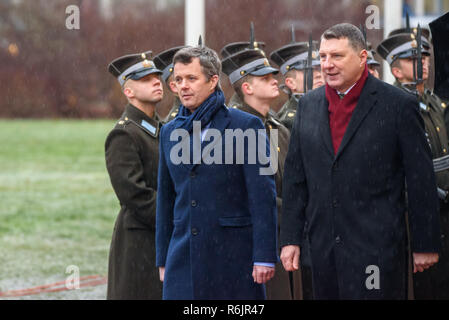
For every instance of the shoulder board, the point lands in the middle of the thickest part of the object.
(123, 121)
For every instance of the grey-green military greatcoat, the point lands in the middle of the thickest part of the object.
(287, 113)
(434, 282)
(279, 287)
(132, 162)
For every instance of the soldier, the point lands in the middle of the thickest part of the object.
(372, 63)
(401, 50)
(235, 47)
(252, 79)
(292, 61)
(131, 159)
(164, 62)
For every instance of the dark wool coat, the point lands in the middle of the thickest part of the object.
(353, 202)
(214, 220)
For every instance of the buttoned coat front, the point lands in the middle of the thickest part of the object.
(352, 203)
(214, 220)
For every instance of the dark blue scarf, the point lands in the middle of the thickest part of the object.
(204, 113)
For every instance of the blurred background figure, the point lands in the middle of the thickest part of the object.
(292, 61)
(253, 81)
(164, 61)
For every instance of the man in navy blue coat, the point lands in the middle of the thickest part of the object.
(355, 144)
(216, 212)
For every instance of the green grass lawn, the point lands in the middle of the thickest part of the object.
(57, 205)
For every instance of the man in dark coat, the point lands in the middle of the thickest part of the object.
(354, 144)
(132, 162)
(433, 284)
(257, 88)
(216, 220)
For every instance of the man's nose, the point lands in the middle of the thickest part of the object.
(183, 84)
(326, 63)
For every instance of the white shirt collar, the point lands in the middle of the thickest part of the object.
(346, 92)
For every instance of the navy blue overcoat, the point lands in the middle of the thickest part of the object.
(214, 221)
(351, 204)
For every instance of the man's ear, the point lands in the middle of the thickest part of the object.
(247, 88)
(397, 72)
(214, 81)
(363, 57)
(290, 83)
(129, 93)
(172, 86)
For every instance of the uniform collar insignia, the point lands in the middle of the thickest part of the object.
(152, 129)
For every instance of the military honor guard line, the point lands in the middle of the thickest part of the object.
(350, 175)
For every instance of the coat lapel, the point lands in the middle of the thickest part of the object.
(366, 102)
(324, 125)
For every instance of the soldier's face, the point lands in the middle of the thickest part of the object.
(373, 70)
(192, 85)
(317, 79)
(263, 88)
(147, 89)
(341, 65)
(297, 85)
(405, 73)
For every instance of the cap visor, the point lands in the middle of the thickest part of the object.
(140, 74)
(264, 71)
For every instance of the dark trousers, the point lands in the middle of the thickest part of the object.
(433, 283)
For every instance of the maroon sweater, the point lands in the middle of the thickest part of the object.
(340, 110)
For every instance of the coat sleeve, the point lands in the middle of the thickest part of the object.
(127, 177)
(262, 201)
(165, 206)
(423, 203)
(294, 189)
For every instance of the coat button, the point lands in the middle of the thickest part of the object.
(194, 231)
(193, 203)
(192, 174)
(335, 203)
(337, 239)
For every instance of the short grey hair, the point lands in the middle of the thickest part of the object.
(209, 61)
(349, 31)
